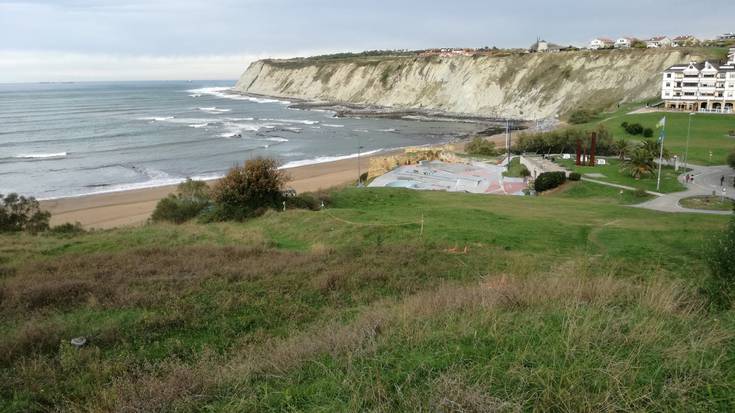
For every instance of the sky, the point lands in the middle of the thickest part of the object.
(74, 40)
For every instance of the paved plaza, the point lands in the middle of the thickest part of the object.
(476, 178)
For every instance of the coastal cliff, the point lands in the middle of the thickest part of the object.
(527, 86)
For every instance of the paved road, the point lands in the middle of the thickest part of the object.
(706, 180)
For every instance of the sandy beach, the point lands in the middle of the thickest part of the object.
(134, 207)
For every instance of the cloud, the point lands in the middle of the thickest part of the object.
(21, 66)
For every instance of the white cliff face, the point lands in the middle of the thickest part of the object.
(520, 86)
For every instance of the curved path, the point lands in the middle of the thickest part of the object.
(706, 180)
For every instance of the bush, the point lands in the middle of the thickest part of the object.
(731, 159)
(18, 213)
(575, 176)
(480, 146)
(581, 116)
(720, 286)
(246, 189)
(304, 201)
(67, 229)
(640, 193)
(634, 128)
(563, 140)
(191, 199)
(549, 180)
(647, 132)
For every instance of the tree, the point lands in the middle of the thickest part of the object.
(621, 147)
(639, 164)
(247, 189)
(18, 213)
(480, 146)
(654, 147)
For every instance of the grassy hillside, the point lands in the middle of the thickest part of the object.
(389, 300)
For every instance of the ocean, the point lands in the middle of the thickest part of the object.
(72, 139)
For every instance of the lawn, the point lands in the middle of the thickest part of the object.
(514, 168)
(596, 193)
(388, 300)
(613, 174)
(711, 203)
(709, 133)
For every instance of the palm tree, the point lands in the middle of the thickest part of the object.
(654, 147)
(622, 146)
(639, 164)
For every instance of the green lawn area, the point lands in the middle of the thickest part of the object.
(711, 203)
(669, 178)
(709, 133)
(514, 168)
(596, 193)
(388, 300)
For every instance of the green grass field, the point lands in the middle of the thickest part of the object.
(709, 132)
(712, 203)
(389, 300)
(669, 177)
(596, 193)
(514, 168)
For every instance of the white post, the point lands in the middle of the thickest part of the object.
(661, 157)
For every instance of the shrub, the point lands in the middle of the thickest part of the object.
(480, 146)
(304, 201)
(563, 140)
(177, 209)
(640, 193)
(720, 286)
(18, 213)
(575, 176)
(581, 116)
(245, 189)
(634, 128)
(191, 199)
(67, 229)
(647, 132)
(624, 125)
(731, 159)
(549, 180)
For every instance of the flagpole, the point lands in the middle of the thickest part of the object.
(661, 155)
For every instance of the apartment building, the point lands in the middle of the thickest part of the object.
(706, 86)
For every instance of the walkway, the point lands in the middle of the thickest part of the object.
(706, 180)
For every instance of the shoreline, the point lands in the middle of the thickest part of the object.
(134, 207)
(127, 207)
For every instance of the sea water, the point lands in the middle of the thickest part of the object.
(72, 139)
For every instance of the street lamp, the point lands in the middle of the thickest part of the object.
(359, 171)
(689, 132)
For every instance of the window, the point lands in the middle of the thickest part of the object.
(668, 75)
(668, 84)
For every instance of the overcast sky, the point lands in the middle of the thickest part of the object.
(51, 40)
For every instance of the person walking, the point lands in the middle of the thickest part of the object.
(722, 180)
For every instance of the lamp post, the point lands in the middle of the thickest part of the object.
(359, 171)
(689, 132)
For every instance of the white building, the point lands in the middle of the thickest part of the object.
(726, 36)
(700, 86)
(601, 43)
(658, 42)
(624, 42)
(685, 41)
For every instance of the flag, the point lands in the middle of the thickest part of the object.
(662, 125)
